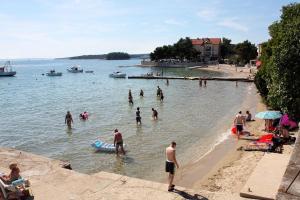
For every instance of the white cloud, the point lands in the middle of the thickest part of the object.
(174, 22)
(233, 24)
(208, 14)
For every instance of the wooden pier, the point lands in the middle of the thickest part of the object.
(240, 79)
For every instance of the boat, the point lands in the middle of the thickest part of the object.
(99, 145)
(117, 75)
(89, 71)
(6, 70)
(75, 69)
(53, 73)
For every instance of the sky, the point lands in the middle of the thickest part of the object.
(61, 28)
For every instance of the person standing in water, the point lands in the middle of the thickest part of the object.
(69, 120)
(158, 91)
(200, 82)
(161, 96)
(138, 116)
(204, 82)
(154, 114)
(167, 82)
(141, 93)
(130, 99)
(170, 164)
(118, 142)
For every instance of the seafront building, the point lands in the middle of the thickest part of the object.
(209, 48)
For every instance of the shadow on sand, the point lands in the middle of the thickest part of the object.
(188, 196)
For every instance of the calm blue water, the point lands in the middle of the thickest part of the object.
(33, 108)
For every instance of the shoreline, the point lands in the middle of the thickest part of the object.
(230, 70)
(196, 175)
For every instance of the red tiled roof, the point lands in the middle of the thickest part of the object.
(206, 40)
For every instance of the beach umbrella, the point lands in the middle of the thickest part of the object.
(269, 114)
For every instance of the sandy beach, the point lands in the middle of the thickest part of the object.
(225, 170)
(230, 70)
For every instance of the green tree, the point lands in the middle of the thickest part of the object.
(226, 48)
(183, 49)
(281, 64)
(246, 51)
(117, 56)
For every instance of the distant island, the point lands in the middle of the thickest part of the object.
(111, 56)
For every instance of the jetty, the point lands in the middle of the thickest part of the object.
(240, 79)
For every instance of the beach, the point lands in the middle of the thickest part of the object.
(209, 161)
(230, 70)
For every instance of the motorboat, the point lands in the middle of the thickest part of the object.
(53, 73)
(6, 70)
(117, 75)
(89, 71)
(75, 69)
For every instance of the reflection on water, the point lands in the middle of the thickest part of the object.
(69, 131)
(188, 115)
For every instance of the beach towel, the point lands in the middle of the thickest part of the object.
(266, 138)
(257, 146)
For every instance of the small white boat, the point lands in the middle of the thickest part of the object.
(75, 69)
(99, 145)
(89, 71)
(6, 70)
(117, 75)
(53, 73)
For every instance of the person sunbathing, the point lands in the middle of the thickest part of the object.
(15, 179)
(13, 175)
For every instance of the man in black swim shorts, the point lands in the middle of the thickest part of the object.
(170, 164)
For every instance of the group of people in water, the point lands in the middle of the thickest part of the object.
(84, 115)
(171, 161)
(69, 118)
(159, 94)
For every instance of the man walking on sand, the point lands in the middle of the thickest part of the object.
(170, 164)
(239, 122)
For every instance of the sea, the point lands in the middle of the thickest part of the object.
(33, 107)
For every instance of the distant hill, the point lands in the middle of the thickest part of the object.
(116, 56)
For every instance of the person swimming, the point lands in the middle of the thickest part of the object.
(84, 115)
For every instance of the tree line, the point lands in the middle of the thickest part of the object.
(183, 49)
(110, 56)
(278, 79)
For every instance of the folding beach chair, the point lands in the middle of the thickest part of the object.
(11, 191)
(7, 190)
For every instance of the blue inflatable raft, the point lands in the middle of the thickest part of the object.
(99, 145)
